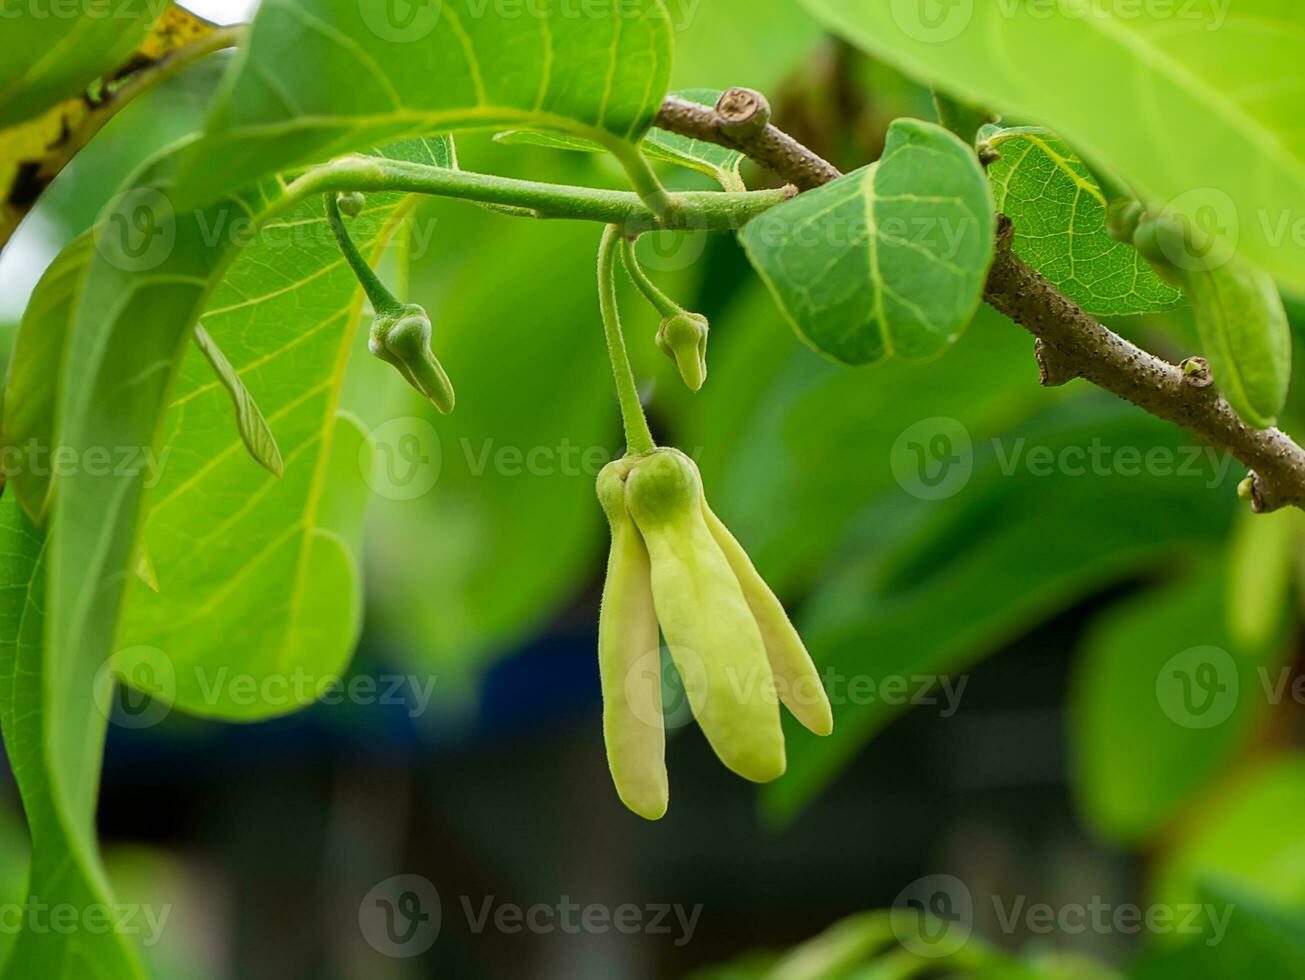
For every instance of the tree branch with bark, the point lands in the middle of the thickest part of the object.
(1070, 342)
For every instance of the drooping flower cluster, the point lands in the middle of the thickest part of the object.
(675, 568)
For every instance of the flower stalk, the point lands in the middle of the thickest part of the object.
(638, 437)
(682, 335)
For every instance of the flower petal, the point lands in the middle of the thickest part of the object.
(796, 677)
(629, 663)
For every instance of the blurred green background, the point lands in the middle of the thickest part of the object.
(1062, 659)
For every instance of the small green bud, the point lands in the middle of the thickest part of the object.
(403, 339)
(350, 203)
(1122, 219)
(683, 338)
(1162, 241)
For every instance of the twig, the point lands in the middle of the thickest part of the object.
(1070, 342)
(741, 121)
(1076, 343)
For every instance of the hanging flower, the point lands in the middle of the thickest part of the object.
(675, 567)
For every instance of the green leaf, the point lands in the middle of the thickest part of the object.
(720, 164)
(1197, 106)
(1059, 215)
(1017, 541)
(890, 259)
(151, 266)
(250, 421)
(1245, 335)
(47, 56)
(324, 77)
(1248, 836)
(1162, 698)
(1251, 938)
(1262, 554)
(257, 581)
(42, 706)
(31, 386)
(725, 43)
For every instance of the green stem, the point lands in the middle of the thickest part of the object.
(642, 178)
(384, 302)
(701, 210)
(638, 437)
(664, 305)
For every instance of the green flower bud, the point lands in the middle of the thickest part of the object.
(675, 566)
(683, 338)
(629, 659)
(402, 338)
(350, 203)
(710, 629)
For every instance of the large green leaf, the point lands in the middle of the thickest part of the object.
(1240, 934)
(727, 42)
(49, 52)
(257, 584)
(38, 708)
(1162, 698)
(717, 162)
(1196, 105)
(888, 260)
(1059, 214)
(324, 77)
(31, 385)
(157, 266)
(1250, 835)
(1032, 529)
(153, 266)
